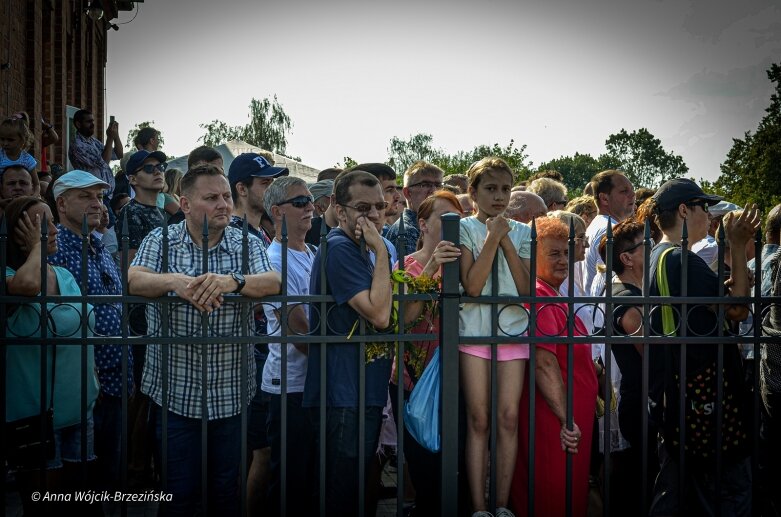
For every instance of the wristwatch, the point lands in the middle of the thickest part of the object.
(239, 278)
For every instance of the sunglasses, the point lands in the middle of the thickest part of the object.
(298, 201)
(365, 208)
(701, 203)
(150, 168)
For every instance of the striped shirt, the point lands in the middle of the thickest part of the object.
(223, 361)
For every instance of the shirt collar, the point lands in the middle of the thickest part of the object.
(72, 240)
(185, 238)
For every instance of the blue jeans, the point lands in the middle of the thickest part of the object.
(341, 455)
(184, 463)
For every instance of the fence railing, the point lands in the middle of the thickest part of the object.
(450, 299)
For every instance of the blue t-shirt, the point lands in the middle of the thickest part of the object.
(23, 378)
(348, 272)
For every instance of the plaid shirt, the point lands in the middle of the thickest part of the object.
(103, 278)
(86, 153)
(223, 361)
(411, 232)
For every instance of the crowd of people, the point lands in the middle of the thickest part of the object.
(186, 237)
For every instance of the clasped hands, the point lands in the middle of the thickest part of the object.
(205, 292)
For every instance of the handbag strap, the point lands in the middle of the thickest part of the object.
(668, 320)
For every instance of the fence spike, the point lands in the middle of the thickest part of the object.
(205, 228)
(284, 227)
(685, 231)
(3, 227)
(534, 229)
(84, 226)
(721, 235)
(647, 230)
(125, 230)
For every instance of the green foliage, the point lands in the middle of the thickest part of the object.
(577, 170)
(348, 162)
(403, 153)
(641, 156)
(131, 135)
(268, 127)
(752, 171)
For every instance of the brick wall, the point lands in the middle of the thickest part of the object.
(55, 56)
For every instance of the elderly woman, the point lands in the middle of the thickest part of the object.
(554, 437)
(24, 217)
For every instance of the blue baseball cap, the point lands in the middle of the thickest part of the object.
(252, 165)
(139, 157)
(76, 179)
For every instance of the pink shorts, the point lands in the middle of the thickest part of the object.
(503, 352)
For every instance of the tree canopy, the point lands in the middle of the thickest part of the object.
(268, 127)
(752, 171)
(642, 158)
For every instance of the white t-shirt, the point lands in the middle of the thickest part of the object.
(475, 318)
(594, 234)
(299, 270)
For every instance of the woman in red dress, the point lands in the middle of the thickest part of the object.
(554, 438)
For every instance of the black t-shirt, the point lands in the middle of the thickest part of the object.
(630, 362)
(313, 235)
(701, 374)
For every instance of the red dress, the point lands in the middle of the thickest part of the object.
(550, 460)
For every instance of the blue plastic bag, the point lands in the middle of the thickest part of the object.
(421, 412)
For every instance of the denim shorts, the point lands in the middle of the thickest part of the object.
(67, 444)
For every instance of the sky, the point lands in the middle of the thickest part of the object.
(558, 76)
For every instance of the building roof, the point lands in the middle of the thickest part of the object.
(230, 150)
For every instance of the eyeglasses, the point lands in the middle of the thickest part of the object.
(635, 246)
(151, 168)
(365, 208)
(427, 185)
(298, 201)
(700, 203)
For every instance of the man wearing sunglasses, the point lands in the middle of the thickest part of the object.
(146, 174)
(421, 180)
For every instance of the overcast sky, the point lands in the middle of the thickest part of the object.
(557, 75)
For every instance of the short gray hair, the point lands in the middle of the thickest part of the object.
(551, 191)
(278, 191)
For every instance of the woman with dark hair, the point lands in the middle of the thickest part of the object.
(554, 437)
(24, 218)
(628, 260)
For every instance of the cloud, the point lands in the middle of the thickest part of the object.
(708, 19)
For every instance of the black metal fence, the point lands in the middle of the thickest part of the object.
(449, 302)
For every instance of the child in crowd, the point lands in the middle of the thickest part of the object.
(15, 139)
(485, 237)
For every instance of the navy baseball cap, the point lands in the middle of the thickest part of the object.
(137, 160)
(252, 165)
(680, 190)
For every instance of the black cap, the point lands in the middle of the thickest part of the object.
(680, 190)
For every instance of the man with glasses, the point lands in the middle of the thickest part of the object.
(78, 195)
(361, 289)
(421, 180)
(249, 175)
(552, 192)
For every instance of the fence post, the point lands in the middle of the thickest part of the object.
(448, 354)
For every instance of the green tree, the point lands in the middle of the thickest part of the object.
(752, 171)
(131, 135)
(403, 153)
(577, 170)
(641, 156)
(515, 157)
(268, 127)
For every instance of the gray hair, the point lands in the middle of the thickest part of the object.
(568, 218)
(551, 191)
(278, 191)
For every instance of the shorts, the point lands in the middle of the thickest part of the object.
(503, 352)
(67, 445)
(257, 426)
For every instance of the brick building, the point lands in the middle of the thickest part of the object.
(53, 55)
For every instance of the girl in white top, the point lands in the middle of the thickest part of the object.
(485, 237)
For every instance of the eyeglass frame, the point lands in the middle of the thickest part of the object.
(370, 205)
(427, 184)
(633, 247)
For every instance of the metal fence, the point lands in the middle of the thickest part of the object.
(450, 299)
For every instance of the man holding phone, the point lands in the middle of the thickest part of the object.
(88, 153)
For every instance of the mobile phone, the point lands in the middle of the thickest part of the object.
(111, 120)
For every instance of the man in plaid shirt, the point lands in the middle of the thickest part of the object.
(205, 195)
